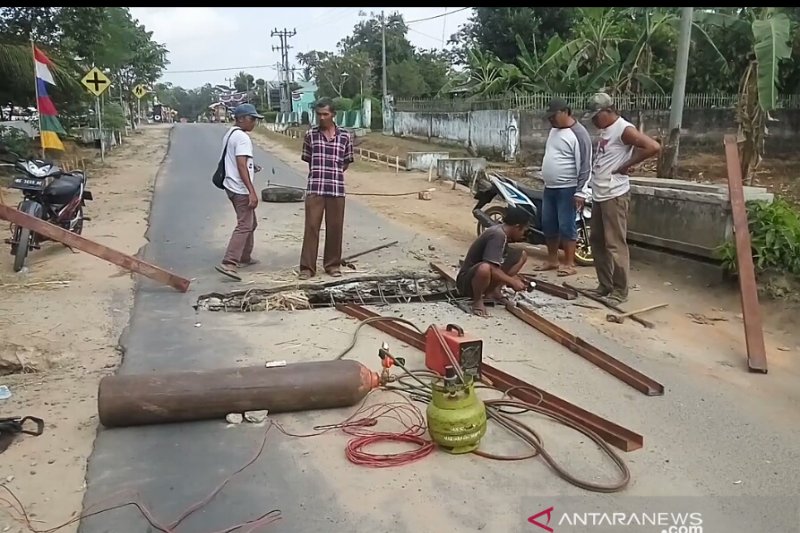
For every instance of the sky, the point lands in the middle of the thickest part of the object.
(214, 38)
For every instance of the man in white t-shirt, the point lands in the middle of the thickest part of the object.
(620, 146)
(238, 183)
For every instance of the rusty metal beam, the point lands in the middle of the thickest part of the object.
(551, 288)
(444, 271)
(751, 312)
(591, 353)
(128, 262)
(616, 435)
(407, 335)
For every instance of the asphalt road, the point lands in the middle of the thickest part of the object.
(174, 466)
(707, 447)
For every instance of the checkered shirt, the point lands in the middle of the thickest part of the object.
(326, 160)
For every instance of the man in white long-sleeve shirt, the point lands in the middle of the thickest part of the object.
(565, 169)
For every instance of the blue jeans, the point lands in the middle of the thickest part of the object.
(558, 214)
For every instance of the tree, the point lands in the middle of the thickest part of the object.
(355, 65)
(768, 30)
(129, 54)
(75, 39)
(494, 29)
(243, 82)
(54, 31)
(337, 75)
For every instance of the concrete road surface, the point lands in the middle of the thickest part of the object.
(707, 448)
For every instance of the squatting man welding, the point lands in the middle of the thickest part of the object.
(490, 264)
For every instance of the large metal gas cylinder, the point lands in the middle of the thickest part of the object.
(456, 416)
(183, 396)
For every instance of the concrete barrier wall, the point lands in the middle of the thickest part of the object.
(424, 160)
(448, 127)
(681, 216)
(490, 133)
(520, 135)
(460, 169)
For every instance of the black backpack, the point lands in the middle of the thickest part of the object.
(219, 175)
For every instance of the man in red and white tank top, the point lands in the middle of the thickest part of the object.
(620, 146)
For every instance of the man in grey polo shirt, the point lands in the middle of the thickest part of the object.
(565, 169)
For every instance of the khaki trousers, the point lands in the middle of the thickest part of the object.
(609, 226)
(332, 207)
(241, 244)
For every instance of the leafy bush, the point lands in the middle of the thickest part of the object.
(113, 117)
(774, 236)
(15, 140)
(269, 116)
(343, 104)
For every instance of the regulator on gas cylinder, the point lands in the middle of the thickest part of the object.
(456, 416)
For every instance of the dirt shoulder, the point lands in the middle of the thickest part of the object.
(63, 318)
(702, 324)
(397, 146)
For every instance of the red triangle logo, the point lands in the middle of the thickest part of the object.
(533, 519)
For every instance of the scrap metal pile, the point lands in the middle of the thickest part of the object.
(403, 287)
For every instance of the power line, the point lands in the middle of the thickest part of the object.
(437, 39)
(437, 16)
(217, 69)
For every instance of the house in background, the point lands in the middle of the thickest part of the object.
(303, 99)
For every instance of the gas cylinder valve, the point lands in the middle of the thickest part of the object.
(387, 362)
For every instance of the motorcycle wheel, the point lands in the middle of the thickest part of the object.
(583, 250)
(496, 213)
(23, 241)
(78, 229)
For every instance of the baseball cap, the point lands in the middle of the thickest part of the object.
(556, 105)
(597, 103)
(246, 110)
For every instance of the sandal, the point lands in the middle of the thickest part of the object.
(566, 271)
(228, 270)
(545, 267)
(335, 274)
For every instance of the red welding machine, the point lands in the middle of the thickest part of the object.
(468, 351)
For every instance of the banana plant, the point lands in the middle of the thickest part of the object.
(769, 30)
(485, 76)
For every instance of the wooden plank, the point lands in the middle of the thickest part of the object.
(94, 248)
(751, 311)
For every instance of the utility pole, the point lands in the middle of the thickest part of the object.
(286, 102)
(230, 82)
(383, 55)
(668, 163)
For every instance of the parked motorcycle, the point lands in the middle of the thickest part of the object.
(50, 194)
(516, 194)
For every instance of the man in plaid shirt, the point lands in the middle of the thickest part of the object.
(328, 150)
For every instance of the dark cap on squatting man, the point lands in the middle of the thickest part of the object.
(246, 110)
(599, 102)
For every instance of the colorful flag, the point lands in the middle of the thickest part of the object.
(49, 125)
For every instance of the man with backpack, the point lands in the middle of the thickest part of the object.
(237, 165)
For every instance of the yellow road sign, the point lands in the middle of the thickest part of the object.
(139, 91)
(96, 81)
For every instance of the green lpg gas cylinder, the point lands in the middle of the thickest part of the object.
(456, 416)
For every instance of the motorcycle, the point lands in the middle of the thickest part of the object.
(517, 195)
(49, 194)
